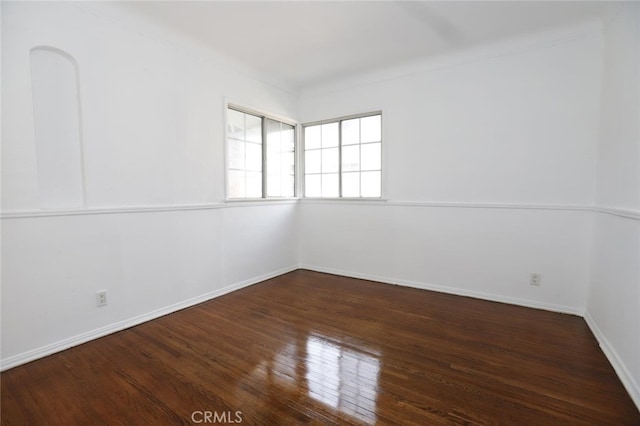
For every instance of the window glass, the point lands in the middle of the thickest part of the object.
(254, 163)
(343, 158)
(371, 129)
(330, 135)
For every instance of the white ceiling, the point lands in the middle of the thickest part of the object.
(305, 43)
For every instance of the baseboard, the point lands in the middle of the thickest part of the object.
(449, 290)
(625, 377)
(43, 351)
(618, 365)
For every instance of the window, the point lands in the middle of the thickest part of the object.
(343, 157)
(260, 156)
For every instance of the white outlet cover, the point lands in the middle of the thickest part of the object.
(535, 278)
(101, 298)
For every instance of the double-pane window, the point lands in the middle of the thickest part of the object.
(343, 158)
(260, 156)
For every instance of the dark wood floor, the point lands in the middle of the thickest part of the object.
(320, 349)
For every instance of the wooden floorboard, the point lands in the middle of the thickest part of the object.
(311, 348)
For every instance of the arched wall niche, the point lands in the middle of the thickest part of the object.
(58, 128)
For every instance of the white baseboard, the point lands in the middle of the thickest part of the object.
(43, 351)
(623, 373)
(450, 290)
(618, 365)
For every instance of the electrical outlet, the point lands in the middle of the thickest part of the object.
(101, 298)
(535, 278)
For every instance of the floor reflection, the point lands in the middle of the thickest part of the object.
(342, 378)
(314, 368)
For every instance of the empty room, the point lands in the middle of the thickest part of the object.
(313, 212)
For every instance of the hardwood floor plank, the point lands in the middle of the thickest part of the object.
(311, 348)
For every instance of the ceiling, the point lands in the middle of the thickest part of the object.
(305, 43)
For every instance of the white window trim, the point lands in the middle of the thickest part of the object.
(383, 178)
(264, 114)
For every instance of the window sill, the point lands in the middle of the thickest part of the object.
(260, 201)
(339, 200)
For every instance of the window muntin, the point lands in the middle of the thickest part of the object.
(260, 156)
(343, 158)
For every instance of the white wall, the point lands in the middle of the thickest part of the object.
(481, 252)
(152, 106)
(613, 309)
(152, 133)
(489, 162)
(512, 125)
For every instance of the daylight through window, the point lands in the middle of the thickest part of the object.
(261, 156)
(343, 157)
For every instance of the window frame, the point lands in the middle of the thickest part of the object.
(339, 120)
(264, 173)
